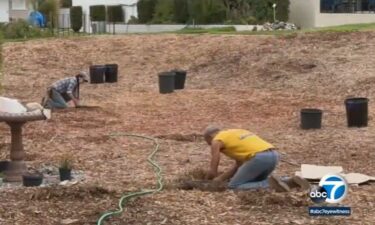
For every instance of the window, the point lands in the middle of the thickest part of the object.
(347, 6)
(18, 4)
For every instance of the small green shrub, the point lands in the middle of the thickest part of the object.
(146, 10)
(66, 3)
(22, 29)
(115, 13)
(97, 12)
(76, 18)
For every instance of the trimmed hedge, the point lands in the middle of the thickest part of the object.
(181, 11)
(97, 12)
(146, 10)
(76, 18)
(115, 13)
(66, 3)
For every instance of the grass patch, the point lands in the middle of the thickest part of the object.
(218, 30)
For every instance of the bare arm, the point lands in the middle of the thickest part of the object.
(215, 159)
(230, 173)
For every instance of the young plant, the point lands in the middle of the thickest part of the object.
(66, 162)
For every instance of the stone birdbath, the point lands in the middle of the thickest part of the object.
(16, 166)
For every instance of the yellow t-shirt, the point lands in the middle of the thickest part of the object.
(241, 144)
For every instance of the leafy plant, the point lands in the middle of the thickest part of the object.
(76, 18)
(66, 162)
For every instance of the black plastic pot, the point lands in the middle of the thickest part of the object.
(32, 179)
(97, 74)
(111, 73)
(311, 118)
(166, 82)
(65, 174)
(357, 112)
(3, 166)
(180, 77)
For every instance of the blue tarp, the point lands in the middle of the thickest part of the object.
(37, 19)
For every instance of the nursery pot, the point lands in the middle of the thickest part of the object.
(65, 174)
(32, 179)
(111, 73)
(97, 74)
(3, 166)
(166, 82)
(180, 77)
(357, 112)
(311, 118)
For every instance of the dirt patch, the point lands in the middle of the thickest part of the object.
(256, 83)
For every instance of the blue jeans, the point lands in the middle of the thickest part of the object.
(56, 100)
(253, 173)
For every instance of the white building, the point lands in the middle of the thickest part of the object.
(324, 13)
(14, 9)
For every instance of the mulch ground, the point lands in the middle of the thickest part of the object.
(253, 82)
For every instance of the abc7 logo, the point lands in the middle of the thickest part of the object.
(331, 189)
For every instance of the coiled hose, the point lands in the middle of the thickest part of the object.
(124, 199)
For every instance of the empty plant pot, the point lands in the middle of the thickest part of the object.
(180, 77)
(166, 82)
(65, 174)
(32, 179)
(357, 112)
(111, 73)
(3, 166)
(311, 118)
(97, 74)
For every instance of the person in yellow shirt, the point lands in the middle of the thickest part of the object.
(255, 159)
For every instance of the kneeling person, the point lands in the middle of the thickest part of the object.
(255, 159)
(63, 91)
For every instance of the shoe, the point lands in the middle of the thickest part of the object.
(277, 184)
(302, 183)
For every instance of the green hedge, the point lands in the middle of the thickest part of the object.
(282, 10)
(263, 11)
(146, 10)
(115, 13)
(66, 3)
(207, 11)
(181, 11)
(97, 12)
(164, 12)
(76, 18)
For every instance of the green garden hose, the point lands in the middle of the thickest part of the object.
(124, 199)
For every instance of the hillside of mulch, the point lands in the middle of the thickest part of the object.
(254, 82)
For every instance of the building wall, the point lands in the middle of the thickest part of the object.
(4, 11)
(306, 14)
(301, 13)
(19, 9)
(335, 19)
